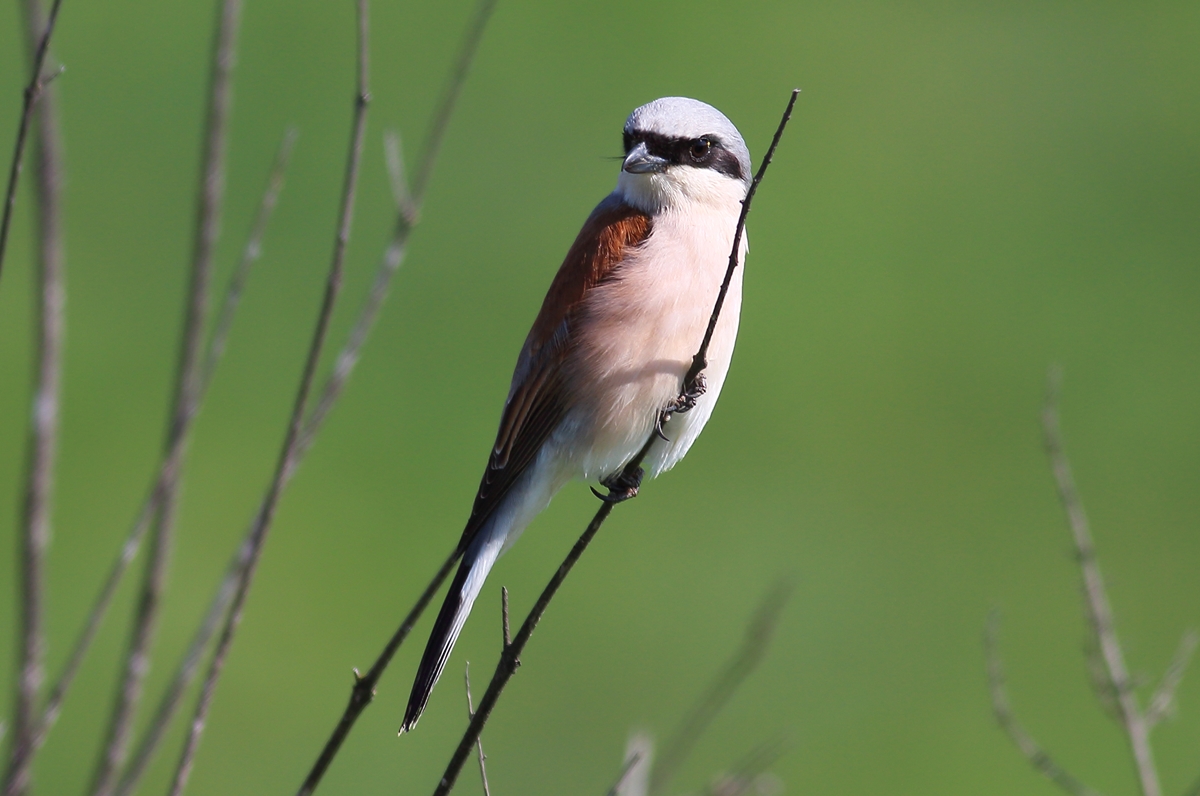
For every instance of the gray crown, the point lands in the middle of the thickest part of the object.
(683, 117)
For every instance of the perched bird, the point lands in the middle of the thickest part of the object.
(613, 340)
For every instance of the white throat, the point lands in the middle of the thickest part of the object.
(678, 188)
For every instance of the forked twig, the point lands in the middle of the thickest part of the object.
(188, 386)
(49, 324)
(507, 665)
(487, 791)
(1096, 598)
(33, 91)
(285, 462)
(1001, 707)
(745, 660)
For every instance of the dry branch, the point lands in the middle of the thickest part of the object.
(49, 324)
(188, 388)
(509, 658)
(1137, 729)
(487, 791)
(285, 462)
(33, 92)
(1001, 707)
(634, 778)
(141, 524)
(363, 690)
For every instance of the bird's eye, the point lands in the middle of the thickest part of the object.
(699, 148)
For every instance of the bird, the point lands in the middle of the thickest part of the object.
(602, 366)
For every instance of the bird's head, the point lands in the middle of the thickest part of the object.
(680, 151)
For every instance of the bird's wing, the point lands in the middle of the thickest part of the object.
(538, 399)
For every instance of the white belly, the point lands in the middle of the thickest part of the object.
(639, 332)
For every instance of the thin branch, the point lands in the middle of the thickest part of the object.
(49, 324)
(745, 660)
(363, 690)
(190, 663)
(504, 616)
(700, 360)
(631, 473)
(1162, 703)
(509, 657)
(330, 392)
(445, 111)
(33, 92)
(250, 255)
(364, 687)
(189, 384)
(287, 454)
(634, 778)
(137, 532)
(144, 751)
(1034, 753)
(1096, 597)
(394, 158)
(478, 741)
(407, 216)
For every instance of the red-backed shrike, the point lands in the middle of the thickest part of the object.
(612, 342)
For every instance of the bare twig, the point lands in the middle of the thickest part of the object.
(478, 741)
(1098, 678)
(504, 616)
(188, 387)
(510, 657)
(184, 674)
(744, 661)
(1096, 598)
(1034, 753)
(363, 690)
(634, 779)
(409, 213)
(635, 772)
(445, 111)
(285, 462)
(33, 92)
(250, 255)
(43, 430)
(1162, 703)
(394, 158)
(364, 687)
(700, 360)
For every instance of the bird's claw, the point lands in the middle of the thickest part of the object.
(684, 402)
(621, 487)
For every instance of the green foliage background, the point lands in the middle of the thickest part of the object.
(969, 191)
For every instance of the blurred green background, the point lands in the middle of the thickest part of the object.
(968, 193)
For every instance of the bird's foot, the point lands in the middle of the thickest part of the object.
(684, 402)
(621, 487)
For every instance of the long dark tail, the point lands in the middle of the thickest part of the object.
(476, 564)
